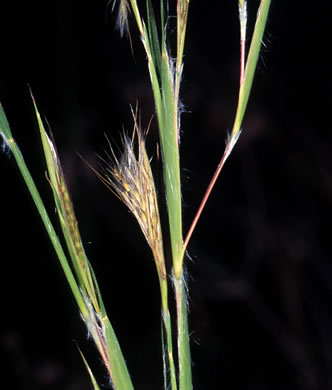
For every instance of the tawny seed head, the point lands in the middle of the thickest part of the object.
(131, 179)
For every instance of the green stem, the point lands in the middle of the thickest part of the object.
(167, 343)
(185, 380)
(168, 352)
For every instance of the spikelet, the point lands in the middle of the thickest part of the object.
(131, 179)
(122, 19)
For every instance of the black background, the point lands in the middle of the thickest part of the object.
(260, 275)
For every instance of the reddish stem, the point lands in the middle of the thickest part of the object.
(227, 151)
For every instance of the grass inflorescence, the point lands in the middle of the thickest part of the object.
(129, 177)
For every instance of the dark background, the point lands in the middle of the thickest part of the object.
(260, 275)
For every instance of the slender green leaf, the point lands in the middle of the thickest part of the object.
(119, 371)
(153, 37)
(93, 379)
(251, 63)
(171, 162)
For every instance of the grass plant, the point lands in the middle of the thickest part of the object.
(130, 178)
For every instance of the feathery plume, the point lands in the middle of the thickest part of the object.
(130, 179)
(123, 13)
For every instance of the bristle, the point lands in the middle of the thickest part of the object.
(122, 21)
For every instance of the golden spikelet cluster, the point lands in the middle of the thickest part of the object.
(131, 179)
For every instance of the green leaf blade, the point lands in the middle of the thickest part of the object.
(251, 64)
(119, 372)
